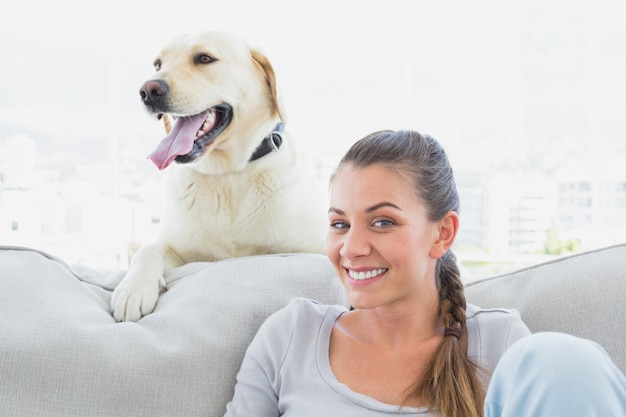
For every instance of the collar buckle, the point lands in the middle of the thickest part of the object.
(270, 143)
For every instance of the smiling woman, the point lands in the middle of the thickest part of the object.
(532, 117)
(407, 343)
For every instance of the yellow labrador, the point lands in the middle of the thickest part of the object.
(235, 182)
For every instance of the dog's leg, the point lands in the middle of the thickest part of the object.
(137, 294)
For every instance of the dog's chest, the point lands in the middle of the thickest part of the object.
(240, 215)
(221, 204)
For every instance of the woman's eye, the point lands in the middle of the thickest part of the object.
(339, 225)
(383, 223)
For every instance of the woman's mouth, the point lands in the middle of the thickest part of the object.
(364, 275)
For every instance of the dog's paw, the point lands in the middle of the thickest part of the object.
(133, 299)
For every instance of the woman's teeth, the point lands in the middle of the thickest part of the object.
(366, 275)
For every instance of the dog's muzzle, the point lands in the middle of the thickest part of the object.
(153, 94)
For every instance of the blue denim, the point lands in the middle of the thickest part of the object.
(556, 375)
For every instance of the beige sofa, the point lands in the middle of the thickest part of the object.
(62, 354)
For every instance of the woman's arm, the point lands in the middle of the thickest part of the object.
(258, 380)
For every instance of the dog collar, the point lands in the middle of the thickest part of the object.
(270, 143)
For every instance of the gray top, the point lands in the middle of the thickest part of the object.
(286, 370)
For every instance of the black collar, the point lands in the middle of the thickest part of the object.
(270, 143)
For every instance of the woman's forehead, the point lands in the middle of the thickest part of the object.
(369, 182)
(371, 175)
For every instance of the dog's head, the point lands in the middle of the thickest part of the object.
(222, 96)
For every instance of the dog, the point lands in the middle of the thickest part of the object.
(235, 183)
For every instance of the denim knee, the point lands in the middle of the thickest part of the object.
(554, 374)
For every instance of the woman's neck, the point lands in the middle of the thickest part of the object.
(401, 324)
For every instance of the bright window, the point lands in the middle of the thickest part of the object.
(527, 97)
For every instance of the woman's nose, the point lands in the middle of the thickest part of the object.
(355, 244)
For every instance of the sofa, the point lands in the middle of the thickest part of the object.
(62, 354)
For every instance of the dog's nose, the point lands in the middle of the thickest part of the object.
(151, 91)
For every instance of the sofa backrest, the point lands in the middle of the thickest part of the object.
(63, 355)
(582, 294)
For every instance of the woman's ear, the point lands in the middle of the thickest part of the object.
(447, 229)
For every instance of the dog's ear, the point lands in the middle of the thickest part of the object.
(261, 60)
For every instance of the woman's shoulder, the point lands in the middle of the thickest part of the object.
(296, 321)
(311, 305)
(498, 313)
(506, 323)
(492, 331)
(305, 309)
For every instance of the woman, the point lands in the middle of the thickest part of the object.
(410, 344)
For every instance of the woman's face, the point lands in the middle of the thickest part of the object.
(380, 239)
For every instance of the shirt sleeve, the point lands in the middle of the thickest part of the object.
(517, 329)
(258, 380)
(495, 331)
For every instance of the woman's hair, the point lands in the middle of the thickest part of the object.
(451, 382)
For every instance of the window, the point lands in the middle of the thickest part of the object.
(527, 98)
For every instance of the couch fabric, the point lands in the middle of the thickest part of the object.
(581, 294)
(62, 354)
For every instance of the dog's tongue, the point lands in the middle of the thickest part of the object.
(179, 141)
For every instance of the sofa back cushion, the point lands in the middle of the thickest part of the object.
(62, 354)
(582, 294)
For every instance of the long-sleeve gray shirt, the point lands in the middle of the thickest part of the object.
(286, 370)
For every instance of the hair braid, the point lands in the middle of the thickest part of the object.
(451, 383)
(451, 296)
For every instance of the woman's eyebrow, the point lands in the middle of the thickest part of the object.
(380, 205)
(368, 210)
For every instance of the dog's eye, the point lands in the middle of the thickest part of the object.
(203, 59)
(157, 64)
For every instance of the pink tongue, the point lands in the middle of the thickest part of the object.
(179, 141)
